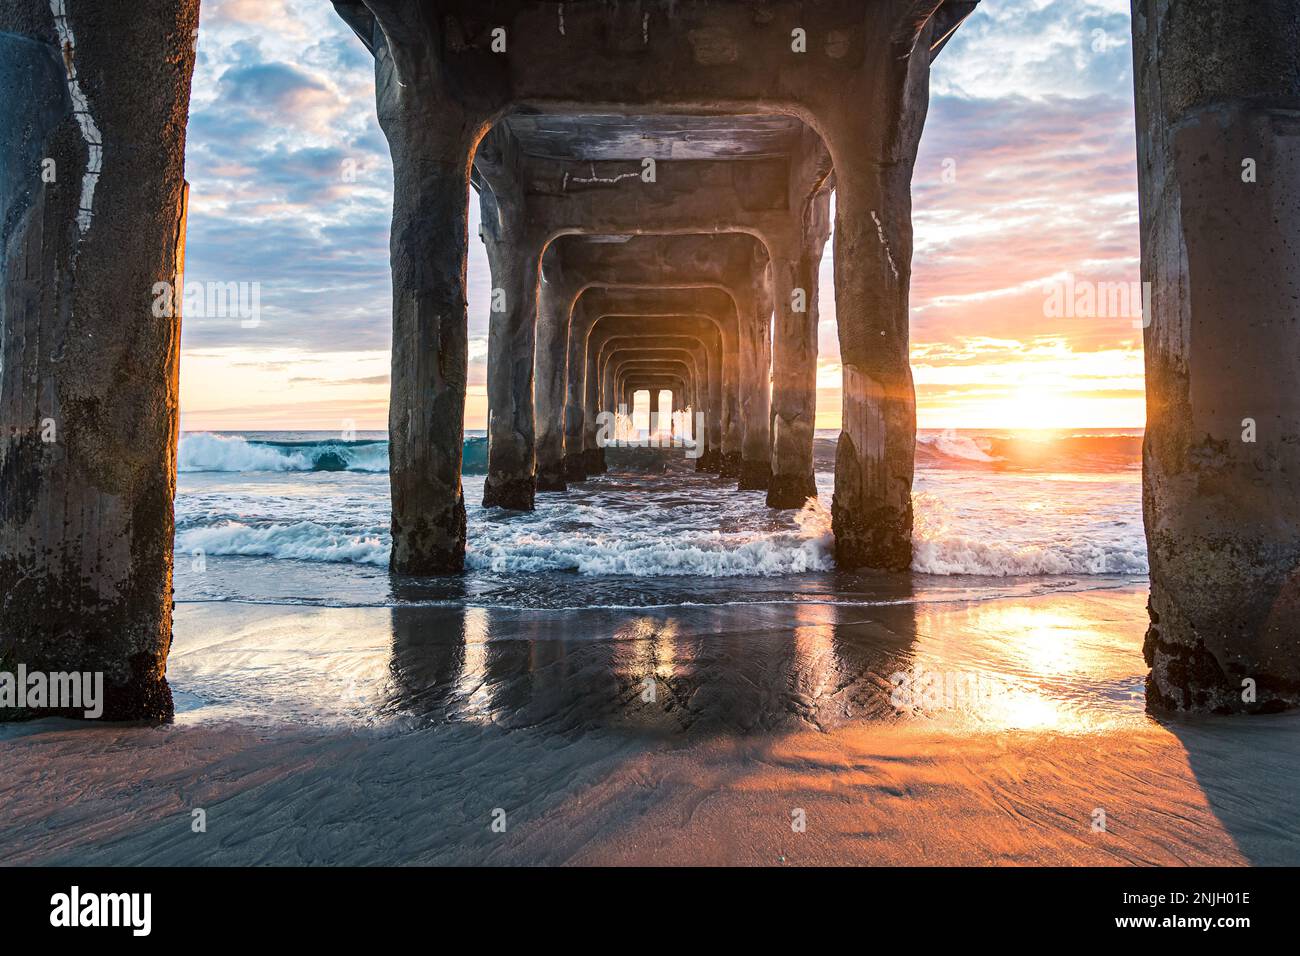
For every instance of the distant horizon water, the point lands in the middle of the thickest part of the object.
(303, 517)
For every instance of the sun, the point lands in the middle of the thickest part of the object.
(1039, 407)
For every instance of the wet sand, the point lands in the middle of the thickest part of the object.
(687, 735)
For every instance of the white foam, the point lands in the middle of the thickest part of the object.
(958, 554)
(302, 540)
(689, 553)
(975, 522)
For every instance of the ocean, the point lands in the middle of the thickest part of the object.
(303, 518)
(654, 668)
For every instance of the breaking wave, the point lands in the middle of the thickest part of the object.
(649, 551)
(983, 511)
(204, 451)
(537, 542)
(958, 554)
(949, 444)
(301, 540)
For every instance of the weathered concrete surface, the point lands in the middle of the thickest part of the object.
(755, 310)
(514, 258)
(1218, 102)
(794, 361)
(576, 460)
(874, 458)
(431, 139)
(796, 251)
(550, 369)
(88, 371)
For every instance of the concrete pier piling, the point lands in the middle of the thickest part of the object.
(93, 110)
(1218, 120)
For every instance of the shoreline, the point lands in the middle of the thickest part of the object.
(394, 744)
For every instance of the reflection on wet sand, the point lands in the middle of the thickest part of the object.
(764, 667)
(658, 672)
(390, 736)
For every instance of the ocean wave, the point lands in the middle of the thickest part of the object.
(301, 540)
(949, 444)
(958, 554)
(1030, 452)
(204, 451)
(523, 546)
(709, 554)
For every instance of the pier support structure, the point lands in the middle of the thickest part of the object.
(1218, 120)
(93, 111)
(736, 263)
(749, 105)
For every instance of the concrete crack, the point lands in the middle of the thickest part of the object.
(880, 231)
(80, 110)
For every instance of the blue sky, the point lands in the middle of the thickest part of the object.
(1031, 107)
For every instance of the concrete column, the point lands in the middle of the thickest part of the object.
(711, 460)
(575, 461)
(1218, 120)
(512, 327)
(597, 401)
(874, 459)
(729, 462)
(872, 506)
(90, 265)
(426, 415)
(755, 307)
(554, 303)
(794, 372)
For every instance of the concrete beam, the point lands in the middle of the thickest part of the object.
(611, 55)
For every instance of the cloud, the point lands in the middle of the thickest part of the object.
(291, 188)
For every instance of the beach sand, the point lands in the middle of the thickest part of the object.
(686, 735)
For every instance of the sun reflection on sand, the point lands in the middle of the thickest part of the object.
(1051, 665)
(473, 684)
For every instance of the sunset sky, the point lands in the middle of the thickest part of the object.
(1025, 179)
